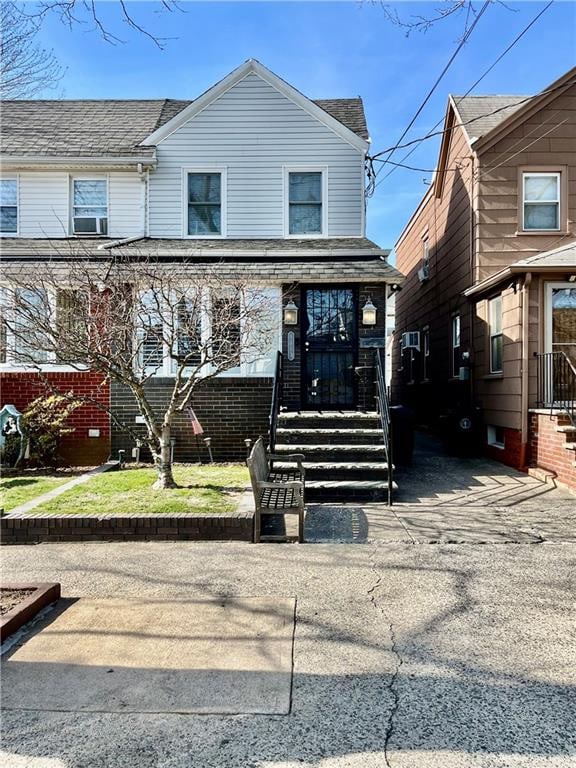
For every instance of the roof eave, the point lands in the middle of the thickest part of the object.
(29, 161)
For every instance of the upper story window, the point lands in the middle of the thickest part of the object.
(495, 327)
(305, 203)
(541, 201)
(204, 204)
(8, 206)
(90, 206)
(455, 344)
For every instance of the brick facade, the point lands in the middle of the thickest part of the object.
(511, 454)
(77, 448)
(229, 409)
(547, 447)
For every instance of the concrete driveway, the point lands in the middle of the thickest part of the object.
(407, 654)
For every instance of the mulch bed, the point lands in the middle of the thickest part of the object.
(10, 598)
(19, 603)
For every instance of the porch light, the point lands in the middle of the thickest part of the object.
(290, 314)
(369, 313)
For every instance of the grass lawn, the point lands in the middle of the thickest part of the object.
(18, 489)
(206, 488)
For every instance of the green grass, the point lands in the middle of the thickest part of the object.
(206, 488)
(19, 489)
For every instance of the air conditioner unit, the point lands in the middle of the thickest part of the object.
(424, 273)
(411, 340)
(90, 225)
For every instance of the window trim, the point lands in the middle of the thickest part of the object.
(13, 177)
(425, 352)
(492, 335)
(287, 170)
(562, 172)
(492, 439)
(453, 348)
(87, 177)
(223, 171)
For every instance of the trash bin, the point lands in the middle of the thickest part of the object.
(461, 431)
(403, 422)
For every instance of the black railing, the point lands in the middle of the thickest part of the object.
(557, 383)
(384, 411)
(276, 400)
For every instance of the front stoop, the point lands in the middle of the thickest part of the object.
(553, 447)
(344, 453)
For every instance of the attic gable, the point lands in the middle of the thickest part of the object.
(350, 111)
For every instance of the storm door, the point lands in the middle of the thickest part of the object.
(330, 347)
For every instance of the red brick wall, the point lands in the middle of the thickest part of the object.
(547, 447)
(20, 389)
(511, 454)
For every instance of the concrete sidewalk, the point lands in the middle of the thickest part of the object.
(405, 655)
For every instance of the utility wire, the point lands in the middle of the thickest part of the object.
(477, 82)
(461, 44)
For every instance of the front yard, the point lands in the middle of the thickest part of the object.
(17, 489)
(209, 488)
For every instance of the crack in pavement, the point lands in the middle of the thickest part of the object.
(394, 649)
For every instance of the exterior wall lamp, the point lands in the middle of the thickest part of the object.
(369, 313)
(290, 314)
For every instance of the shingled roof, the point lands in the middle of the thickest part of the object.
(481, 114)
(113, 128)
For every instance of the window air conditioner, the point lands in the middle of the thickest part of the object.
(90, 225)
(424, 273)
(411, 340)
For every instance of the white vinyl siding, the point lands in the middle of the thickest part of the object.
(45, 203)
(126, 204)
(254, 131)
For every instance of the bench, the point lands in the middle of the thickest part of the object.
(276, 492)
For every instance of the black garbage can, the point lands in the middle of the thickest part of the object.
(403, 422)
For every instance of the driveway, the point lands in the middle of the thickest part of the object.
(407, 653)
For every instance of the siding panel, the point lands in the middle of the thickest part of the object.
(254, 131)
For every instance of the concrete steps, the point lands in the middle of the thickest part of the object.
(345, 457)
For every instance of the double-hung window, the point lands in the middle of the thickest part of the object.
(495, 326)
(305, 203)
(90, 206)
(541, 201)
(8, 206)
(204, 195)
(455, 344)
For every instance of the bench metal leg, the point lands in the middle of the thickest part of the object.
(301, 526)
(257, 526)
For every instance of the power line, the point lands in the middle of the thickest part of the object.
(479, 80)
(461, 44)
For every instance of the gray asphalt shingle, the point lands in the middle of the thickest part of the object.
(481, 114)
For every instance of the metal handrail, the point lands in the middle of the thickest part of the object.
(556, 383)
(276, 400)
(385, 420)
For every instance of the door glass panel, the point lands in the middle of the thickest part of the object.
(564, 321)
(331, 316)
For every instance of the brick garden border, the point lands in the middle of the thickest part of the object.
(233, 526)
(44, 594)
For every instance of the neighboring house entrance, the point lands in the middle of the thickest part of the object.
(330, 332)
(561, 319)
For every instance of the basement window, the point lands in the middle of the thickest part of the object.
(495, 436)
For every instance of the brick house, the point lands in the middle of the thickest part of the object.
(285, 208)
(490, 295)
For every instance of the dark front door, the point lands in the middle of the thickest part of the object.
(330, 343)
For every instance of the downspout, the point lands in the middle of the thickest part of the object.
(472, 360)
(525, 313)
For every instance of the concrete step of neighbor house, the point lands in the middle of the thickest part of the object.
(340, 470)
(301, 436)
(329, 420)
(344, 453)
(347, 490)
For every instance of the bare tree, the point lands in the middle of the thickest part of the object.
(132, 320)
(88, 13)
(442, 10)
(26, 68)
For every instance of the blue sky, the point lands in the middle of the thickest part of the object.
(326, 50)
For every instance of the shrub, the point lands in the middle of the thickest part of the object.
(44, 422)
